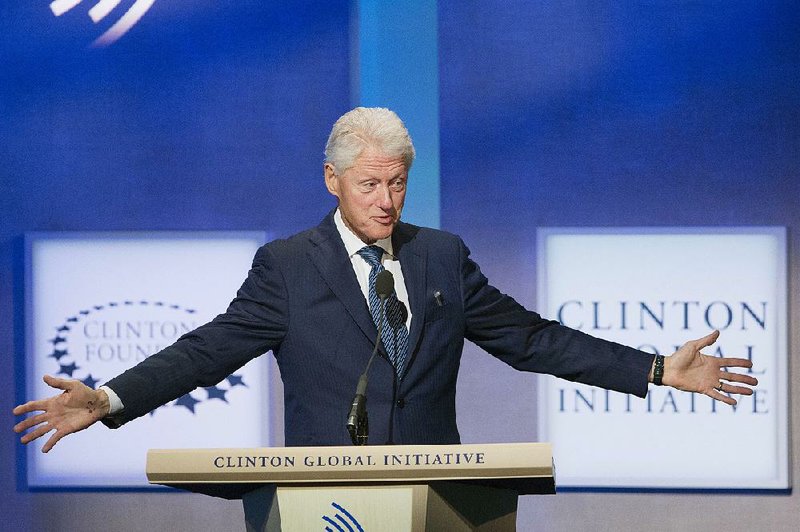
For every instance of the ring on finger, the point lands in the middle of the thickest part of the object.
(719, 386)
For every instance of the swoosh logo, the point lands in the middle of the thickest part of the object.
(101, 10)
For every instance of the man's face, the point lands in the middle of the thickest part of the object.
(371, 194)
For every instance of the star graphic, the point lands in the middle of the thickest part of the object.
(112, 304)
(98, 307)
(72, 319)
(84, 312)
(90, 381)
(58, 353)
(191, 310)
(57, 340)
(63, 328)
(216, 393)
(67, 369)
(188, 401)
(236, 380)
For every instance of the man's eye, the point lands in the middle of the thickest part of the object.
(398, 186)
(368, 186)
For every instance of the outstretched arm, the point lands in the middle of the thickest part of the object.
(76, 408)
(690, 370)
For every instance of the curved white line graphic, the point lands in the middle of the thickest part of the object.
(59, 7)
(126, 22)
(101, 9)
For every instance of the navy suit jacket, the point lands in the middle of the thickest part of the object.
(301, 300)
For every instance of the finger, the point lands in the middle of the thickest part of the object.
(53, 440)
(707, 340)
(738, 377)
(30, 406)
(734, 362)
(22, 426)
(714, 394)
(40, 431)
(741, 390)
(55, 382)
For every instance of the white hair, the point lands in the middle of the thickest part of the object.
(363, 127)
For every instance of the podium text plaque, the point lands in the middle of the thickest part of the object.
(398, 487)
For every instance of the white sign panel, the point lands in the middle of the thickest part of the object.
(655, 289)
(97, 304)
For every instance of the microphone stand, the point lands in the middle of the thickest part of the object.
(357, 420)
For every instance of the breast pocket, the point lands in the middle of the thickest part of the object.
(439, 305)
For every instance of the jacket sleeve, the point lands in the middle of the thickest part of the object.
(255, 322)
(527, 342)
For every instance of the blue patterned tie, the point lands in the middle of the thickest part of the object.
(395, 333)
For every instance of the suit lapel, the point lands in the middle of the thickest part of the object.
(412, 258)
(330, 258)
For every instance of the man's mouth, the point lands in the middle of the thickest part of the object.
(383, 219)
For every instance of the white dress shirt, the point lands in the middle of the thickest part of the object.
(362, 268)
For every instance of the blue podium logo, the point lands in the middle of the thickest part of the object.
(342, 521)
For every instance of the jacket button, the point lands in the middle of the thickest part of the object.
(400, 403)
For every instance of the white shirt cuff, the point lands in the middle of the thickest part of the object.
(115, 403)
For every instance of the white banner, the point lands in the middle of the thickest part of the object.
(655, 289)
(98, 303)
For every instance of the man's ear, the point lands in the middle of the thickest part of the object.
(331, 179)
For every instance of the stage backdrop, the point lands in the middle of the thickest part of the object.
(212, 116)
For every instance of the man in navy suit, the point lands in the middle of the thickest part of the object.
(310, 300)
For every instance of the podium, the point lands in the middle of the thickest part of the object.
(370, 488)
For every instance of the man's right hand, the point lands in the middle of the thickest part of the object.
(76, 408)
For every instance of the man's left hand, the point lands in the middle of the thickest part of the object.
(690, 370)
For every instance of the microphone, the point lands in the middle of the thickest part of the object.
(400, 319)
(357, 419)
(384, 284)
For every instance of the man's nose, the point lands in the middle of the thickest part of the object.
(384, 198)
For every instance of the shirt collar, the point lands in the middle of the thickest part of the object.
(352, 243)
